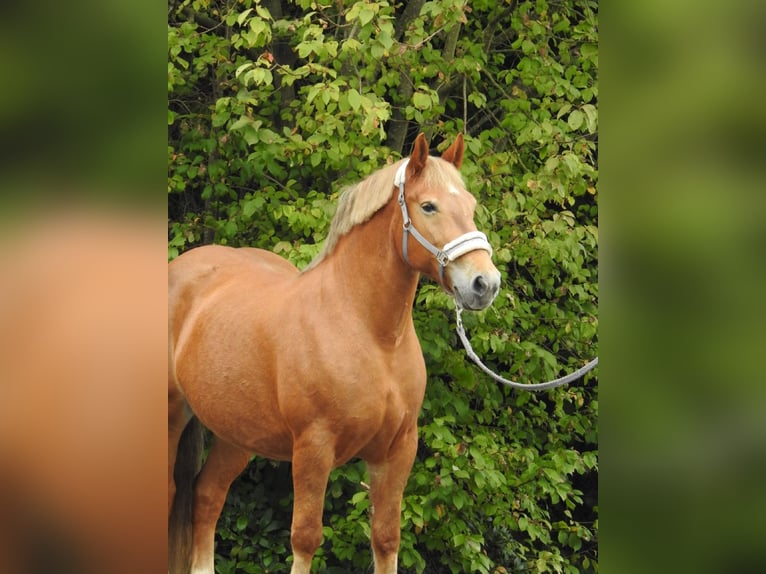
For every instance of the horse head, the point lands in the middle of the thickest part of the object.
(437, 210)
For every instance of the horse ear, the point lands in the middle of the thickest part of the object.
(418, 157)
(454, 153)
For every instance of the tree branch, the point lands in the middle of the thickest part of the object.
(489, 33)
(450, 43)
(283, 55)
(201, 19)
(411, 11)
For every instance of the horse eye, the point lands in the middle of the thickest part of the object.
(428, 207)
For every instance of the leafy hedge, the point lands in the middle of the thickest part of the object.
(274, 106)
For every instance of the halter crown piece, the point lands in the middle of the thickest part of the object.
(466, 243)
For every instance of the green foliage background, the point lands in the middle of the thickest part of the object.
(274, 106)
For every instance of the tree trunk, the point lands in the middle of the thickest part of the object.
(398, 124)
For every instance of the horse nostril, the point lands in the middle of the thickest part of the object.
(480, 285)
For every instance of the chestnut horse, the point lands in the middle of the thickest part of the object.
(320, 366)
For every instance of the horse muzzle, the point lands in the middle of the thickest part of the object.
(474, 290)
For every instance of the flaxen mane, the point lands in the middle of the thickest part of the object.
(360, 202)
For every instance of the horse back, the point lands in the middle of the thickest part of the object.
(202, 275)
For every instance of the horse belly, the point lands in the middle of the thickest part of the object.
(227, 378)
(251, 427)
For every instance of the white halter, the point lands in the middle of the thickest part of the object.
(466, 243)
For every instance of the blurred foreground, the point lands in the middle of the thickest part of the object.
(683, 277)
(82, 289)
(82, 379)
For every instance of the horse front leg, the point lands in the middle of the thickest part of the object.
(312, 462)
(387, 482)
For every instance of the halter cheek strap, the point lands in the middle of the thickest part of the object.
(466, 243)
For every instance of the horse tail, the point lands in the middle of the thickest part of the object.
(188, 463)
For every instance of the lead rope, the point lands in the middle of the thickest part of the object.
(527, 387)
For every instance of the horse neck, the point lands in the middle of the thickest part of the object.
(369, 275)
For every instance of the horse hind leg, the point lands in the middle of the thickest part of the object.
(189, 449)
(185, 443)
(387, 482)
(224, 463)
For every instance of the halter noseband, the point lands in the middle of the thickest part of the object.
(466, 243)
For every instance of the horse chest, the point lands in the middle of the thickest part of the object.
(362, 399)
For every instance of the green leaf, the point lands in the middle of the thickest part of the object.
(421, 100)
(251, 206)
(220, 118)
(242, 68)
(384, 37)
(354, 99)
(262, 76)
(241, 123)
(572, 164)
(574, 541)
(589, 51)
(527, 47)
(243, 16)
(576, 119)
(304, 49)
(263, 12)
(377, 51)
(366, 15)
(591, 115)
(351, 45)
